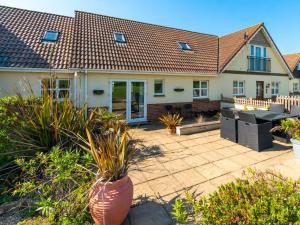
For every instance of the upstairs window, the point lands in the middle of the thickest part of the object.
(119, 37)
(275, 88)
(298, 67)
(258, 58)
(184, 46)
(200, 89)
(51, 36)
(58, 88)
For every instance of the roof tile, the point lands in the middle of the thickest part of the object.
(21, 32)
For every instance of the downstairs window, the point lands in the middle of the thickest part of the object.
(58, 88)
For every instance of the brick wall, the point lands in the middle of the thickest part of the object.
(204, 105)
(198, 105)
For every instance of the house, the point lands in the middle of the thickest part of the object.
(137, 69)
(293, 61)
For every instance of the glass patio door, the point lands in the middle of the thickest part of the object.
(137, 101)
(128, 99)
(119, 98)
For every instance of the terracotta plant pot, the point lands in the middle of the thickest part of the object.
(110, 202)
(172, 130)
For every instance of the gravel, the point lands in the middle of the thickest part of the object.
(11, 218)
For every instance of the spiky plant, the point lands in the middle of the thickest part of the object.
(42, 123)
(112, 149)
(171, 121)
(200, 119)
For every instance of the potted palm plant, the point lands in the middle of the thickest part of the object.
(171, 121)
(111, 195)
(291, 127)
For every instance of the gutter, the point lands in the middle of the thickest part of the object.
(34, 70)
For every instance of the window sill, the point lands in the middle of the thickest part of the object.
(259, 71)
(201, 98)
(159, 95)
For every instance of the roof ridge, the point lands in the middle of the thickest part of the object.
(30, 10)
(258, 24)
(158, 25)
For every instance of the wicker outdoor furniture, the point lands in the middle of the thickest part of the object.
(229, 125)
(277, 108)
(254, 133)
(295, 111)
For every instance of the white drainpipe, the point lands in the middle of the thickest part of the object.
(86, 91)
(75, 89)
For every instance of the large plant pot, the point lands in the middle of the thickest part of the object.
(296, 148)
(110, 202)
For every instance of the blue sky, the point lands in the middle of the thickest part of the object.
(219, 17)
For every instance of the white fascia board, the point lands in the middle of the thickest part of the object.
(276, 50)
(272, 45)
(144, 72)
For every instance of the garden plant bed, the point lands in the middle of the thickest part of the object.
(197, 127)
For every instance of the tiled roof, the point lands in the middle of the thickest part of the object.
(292, 60)
(148, 47)
(21, 32)
(87, 42)
(230, 44)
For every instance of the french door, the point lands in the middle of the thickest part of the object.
(128, 99)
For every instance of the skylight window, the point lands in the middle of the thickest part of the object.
(50, 36)
(119, 37)
(184, 46)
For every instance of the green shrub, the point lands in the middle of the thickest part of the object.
(35, 221)
(260, 198)
(8, 151)
(57, 185)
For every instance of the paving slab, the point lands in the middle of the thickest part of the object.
(150, 213)
(199, 163)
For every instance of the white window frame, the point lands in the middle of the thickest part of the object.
(187, 45)
(57, 89)
(52, 40)
(275, 88)
(295, 87)
(200, 88)
(123, 37)
(261, 50)
(163, 87)
(239, 93)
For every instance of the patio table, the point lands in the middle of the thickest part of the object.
(269, 116)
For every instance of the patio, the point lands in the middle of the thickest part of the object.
(199, 162)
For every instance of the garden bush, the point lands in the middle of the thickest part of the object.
(259, 198)
(41, 125)
(56, 186)
(8, 151)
